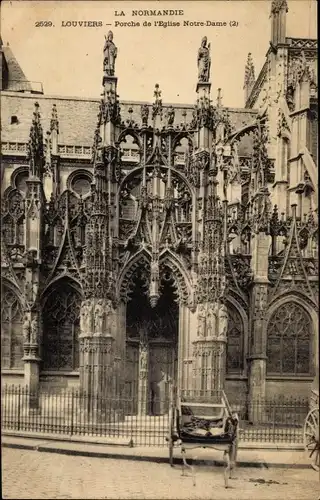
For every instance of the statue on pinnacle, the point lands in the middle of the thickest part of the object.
(109, 55)
(204, 61)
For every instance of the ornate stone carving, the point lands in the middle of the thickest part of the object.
(223, 322)
(278, 5)
(35, 153)
(144, 114)
(86, 317)
(110, 53)
(99, 316)
(170, 116)
(157, 105)
(204, 61)
(34, 331)
(26, 329)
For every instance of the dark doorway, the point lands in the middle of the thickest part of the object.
(159, 327)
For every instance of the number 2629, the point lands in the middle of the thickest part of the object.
(43, 24)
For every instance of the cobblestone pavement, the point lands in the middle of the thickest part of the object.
(30, 474)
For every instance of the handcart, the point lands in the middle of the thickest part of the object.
(192, 426)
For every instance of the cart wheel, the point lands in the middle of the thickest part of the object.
(311, 437)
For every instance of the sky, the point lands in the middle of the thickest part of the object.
(68, 60)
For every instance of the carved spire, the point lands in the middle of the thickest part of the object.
(54, 122)
(260, 204)
(249, 77)
(279, 9)
(35, 152)
(219, 99)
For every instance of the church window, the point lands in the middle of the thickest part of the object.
(289, 341)
(130, 152)
(21, 183)
(14, 120)
(235, 342)
(61, 326)
(81, 185)
(11, 330)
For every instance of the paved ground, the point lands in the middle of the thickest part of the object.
(30, 474)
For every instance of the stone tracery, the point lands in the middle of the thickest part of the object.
(169, 202)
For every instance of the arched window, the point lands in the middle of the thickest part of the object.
(235, 342)
(61, 325)
(20, 182)
(289, 340)
(11, 330)
(81, 185)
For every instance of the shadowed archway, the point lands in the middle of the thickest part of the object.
(152, 340)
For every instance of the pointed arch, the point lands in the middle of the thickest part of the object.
(142, 258)
(180, 275)
(7, 282)
(61, 325)
(11, 327)
(291, 333)
(237, 337)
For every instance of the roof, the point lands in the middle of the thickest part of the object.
(16, 75)
(78, 117)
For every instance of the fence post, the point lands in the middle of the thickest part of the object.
(19, 392)
(72, 407)
(273, 421)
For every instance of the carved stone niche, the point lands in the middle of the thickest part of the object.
(31, 260)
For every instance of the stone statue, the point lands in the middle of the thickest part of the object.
(98, 316)
(34, 331)
(201, 321)
(204, 61)
(185, 203)
(223, 321)
(109, 55)
(143, 357)
(170, 116)
(86, 316)
(145, 114)
(211, 320)
(26, 329)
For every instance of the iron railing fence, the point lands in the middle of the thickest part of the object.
(72, 413)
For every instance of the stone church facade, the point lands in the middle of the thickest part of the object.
(146, 245)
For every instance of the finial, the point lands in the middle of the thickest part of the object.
(249, 76)
(35, 145)
(157, 93)
(157, 106)
(278, 5)
(219, 99)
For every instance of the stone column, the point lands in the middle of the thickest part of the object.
(97, 358)
(31, 358)
(143, 387)
(210, 349)
(258, 357)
